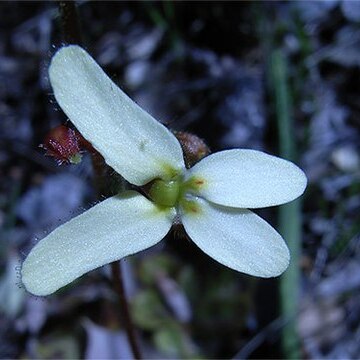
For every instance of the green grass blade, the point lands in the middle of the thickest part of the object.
(289, 214)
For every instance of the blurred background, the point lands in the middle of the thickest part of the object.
(282, 77)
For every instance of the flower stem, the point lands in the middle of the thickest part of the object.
(118, 285)
(70, 25)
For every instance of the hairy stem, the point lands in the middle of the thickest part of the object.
(118, 285)
(70, 24)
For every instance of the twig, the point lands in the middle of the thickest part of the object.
(72, 35)
(273, 328)
(118, 284)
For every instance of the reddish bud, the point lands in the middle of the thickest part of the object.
(62, 143)
(193, 147)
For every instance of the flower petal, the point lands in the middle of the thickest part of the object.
(237, 238)
(248, 179)
(132, 142)
(119, 226)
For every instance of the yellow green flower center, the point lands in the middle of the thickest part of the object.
(165, 193)
(172, 192)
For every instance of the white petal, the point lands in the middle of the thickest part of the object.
(132, 142)
(119, 226)
(248, 179)
(237, 238)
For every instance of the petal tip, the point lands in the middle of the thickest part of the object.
(33, 284)
(304, 181)
(274, 268)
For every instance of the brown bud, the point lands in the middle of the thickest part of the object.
(193, 147)
(62, 143)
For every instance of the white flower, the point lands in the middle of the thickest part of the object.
(210, 198)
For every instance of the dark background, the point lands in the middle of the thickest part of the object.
(236, 74)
